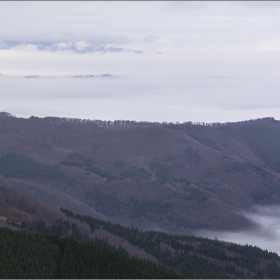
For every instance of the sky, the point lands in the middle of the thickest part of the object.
(170, 61)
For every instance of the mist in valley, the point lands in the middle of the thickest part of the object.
(265, 233)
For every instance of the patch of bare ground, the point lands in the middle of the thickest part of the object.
(12, 214)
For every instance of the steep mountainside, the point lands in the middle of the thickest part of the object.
(154, 176)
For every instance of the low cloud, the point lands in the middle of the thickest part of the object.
(31, 77)
(265, 234)
(77, 47)
(218, 61)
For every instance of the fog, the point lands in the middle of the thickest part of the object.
(139, 97)
(170, 61)
(265, 234)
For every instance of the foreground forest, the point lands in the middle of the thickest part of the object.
(125, 194)
(67, 248)
(25, 255)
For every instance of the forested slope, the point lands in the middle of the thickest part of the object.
(64, 249)
(189, 256)
(171, 177)
(27, 255)
(195, 257)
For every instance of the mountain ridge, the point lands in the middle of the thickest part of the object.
(172, 177)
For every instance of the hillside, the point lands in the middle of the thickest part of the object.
(107, 245)
(170, 177)
(28, 256)
(110, 250)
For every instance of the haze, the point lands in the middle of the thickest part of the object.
(265, 234)
(170, 61)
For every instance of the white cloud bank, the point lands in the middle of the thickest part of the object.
(265, 235)
(171, 61)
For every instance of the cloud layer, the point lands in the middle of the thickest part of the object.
(172, 61)
(265, 234)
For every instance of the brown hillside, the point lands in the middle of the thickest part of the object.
(154, 176)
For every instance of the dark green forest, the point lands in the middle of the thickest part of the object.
(194, 257)
(63, 250)
(17, 165)
(29, 255)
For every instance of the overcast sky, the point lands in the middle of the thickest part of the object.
(169, 61)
